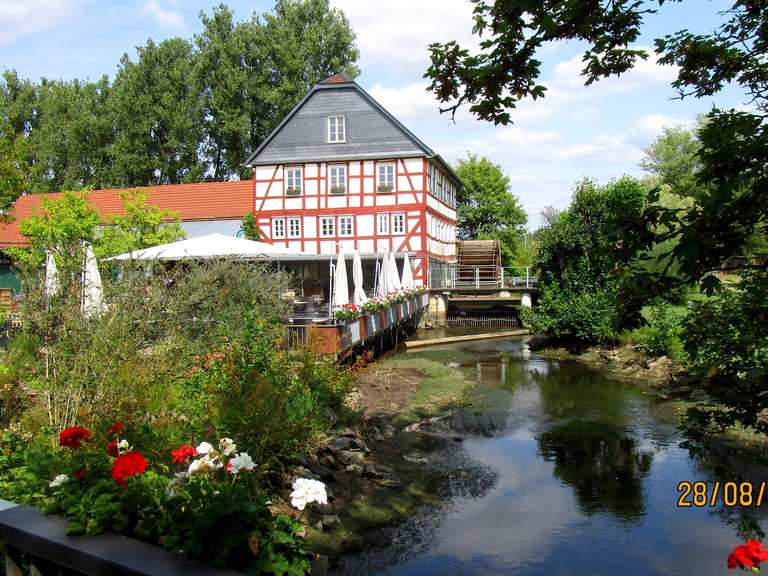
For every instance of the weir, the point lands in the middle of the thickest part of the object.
(477, 290)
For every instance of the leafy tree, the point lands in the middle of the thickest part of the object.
(250, 228)
(252, 73)
(141, 226)
(586, 259)
(158, 115)
(726, 338)
(13, 168)
(486, 208)
(734, 145)
(674, 158)
(60, 226)
(184, 109)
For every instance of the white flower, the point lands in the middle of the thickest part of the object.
(227, 446)
(240, 462)
(58, 481)
(123, 446)
(204, 448)
(306, 491)
(203, 464)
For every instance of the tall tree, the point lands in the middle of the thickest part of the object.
(158, 115)
(487, 209)
(734, 150)
(674, 158)
(13, 167)
(252, 73)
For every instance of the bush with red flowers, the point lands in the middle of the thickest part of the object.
(202, 500)
(748, 556)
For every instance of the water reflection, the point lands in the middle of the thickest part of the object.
(577, 474)
(605, 467)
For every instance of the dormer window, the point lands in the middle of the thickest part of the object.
(336, 129)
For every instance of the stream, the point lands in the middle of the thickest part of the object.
(563, 470)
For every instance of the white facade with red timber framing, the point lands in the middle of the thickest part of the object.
(340, 172)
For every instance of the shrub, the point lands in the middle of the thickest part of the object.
(274, 400)
(154, 324)
(726, 339)
(661, 335)
(582, 317)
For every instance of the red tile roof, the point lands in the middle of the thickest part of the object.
(205, 201)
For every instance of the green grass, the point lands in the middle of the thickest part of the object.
(440, 387)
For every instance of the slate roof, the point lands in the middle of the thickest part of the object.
(371, 131)
(194, 202)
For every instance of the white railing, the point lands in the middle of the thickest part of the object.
(454, 276)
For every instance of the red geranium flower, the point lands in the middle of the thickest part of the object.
(129, 464)
(116, 428)
(73, 436)
(748, 555)
(80, 474)
(183, 452)
(112, 448)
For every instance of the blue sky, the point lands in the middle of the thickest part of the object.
(598, 131)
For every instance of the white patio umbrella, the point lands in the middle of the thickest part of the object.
(406, 281)
(340, 284)
(384, 285)
(357, 277)
(51, 276)
(394, 277)
(92, 297)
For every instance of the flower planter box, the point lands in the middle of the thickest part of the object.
(390, 315)
(403, 306)
(372, 323)
(424, 299)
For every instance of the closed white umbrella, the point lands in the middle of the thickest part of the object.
(384, 285)
(92, 297)
(394, 277)
(340, 285)
(357, 278)
(51, 276)
(406, 281)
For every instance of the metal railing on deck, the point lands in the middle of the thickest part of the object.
(485, 276)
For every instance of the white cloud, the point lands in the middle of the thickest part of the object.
(164, 17)
(651, 125)
(397, 34)
(407, 101)
(23, 18)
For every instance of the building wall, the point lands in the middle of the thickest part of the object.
(409, 218)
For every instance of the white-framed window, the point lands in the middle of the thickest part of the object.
(293, 181)
(294, 227)
(278, 227)
(345, 226)
(382, 226)
(337, 176)
(327, 226)
(337, 129)
(385, 181)
(398, 223)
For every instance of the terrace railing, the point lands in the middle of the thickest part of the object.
(481, 277)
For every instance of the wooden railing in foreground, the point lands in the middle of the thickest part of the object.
(36, 544)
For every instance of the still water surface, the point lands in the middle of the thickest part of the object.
(576, 474)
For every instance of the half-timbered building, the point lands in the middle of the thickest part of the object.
(340, 172)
